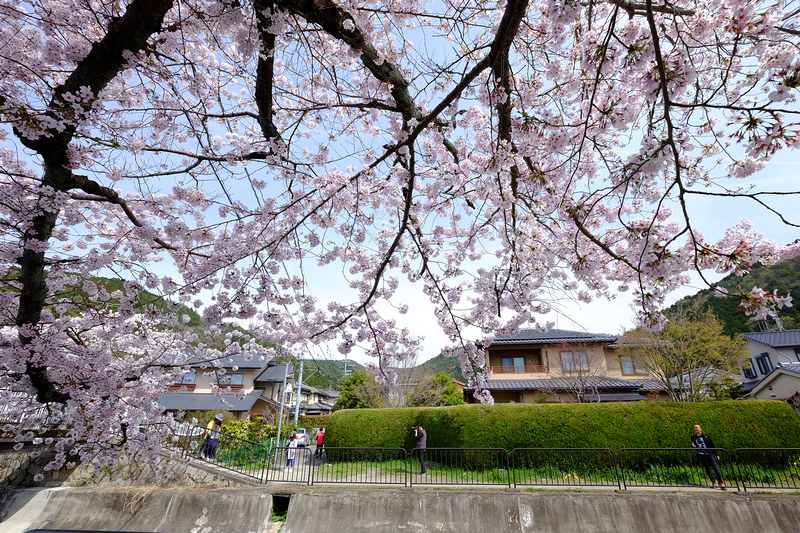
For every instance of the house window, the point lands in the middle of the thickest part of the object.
(513, 364)
(633, 364)
(574, 361)
(304, 397)
(747, 369)
(764, 364)
(234, 381)
(797, 353)
(187, 380)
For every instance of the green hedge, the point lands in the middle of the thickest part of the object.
(732, 424)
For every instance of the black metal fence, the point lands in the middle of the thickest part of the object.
(566, 467)
(674, 467)
(221, 449)
(767, 468)
(460, 466)
(743, 469)
(377, 466)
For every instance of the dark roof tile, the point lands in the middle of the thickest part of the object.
(553, 336)
(201, 401)
(775, 339)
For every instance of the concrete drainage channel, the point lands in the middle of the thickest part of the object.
(376, 510)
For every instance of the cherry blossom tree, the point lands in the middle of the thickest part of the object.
(496, 154)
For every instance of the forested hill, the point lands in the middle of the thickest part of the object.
(325, 374)
(783, 277)
(440, 363)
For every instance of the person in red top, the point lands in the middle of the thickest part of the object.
(320, 438)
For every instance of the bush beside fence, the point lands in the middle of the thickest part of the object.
(753, 468)
(733, 424)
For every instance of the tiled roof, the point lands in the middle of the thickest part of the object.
(651, 384)
(318, 392)
(276, 373)
(201, 401)
(621, 397)
(230, 361)
(319, 406)
(775, 339)
(553, 336)
(793, 367)
(562, 383)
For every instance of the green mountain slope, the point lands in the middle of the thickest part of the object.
(783, 277)
(325, 374)
(440, 363)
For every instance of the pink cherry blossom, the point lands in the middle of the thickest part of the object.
(501, 156)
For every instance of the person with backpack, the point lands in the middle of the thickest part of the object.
(209, 448)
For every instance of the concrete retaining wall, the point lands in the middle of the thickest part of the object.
(161, 510)
(18, 469)
(338, 510)
(542, 512)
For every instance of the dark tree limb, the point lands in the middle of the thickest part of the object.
(128, 33)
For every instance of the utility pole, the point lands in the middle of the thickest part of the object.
(299, 387)
(283, 395)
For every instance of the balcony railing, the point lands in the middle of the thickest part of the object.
(521, 369)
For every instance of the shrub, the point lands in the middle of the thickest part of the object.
(732, 424)
(252, 430)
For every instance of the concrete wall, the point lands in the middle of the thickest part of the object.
(178, 510)
(373, 510)
(542, 512)
(19, 469)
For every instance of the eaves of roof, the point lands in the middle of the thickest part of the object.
(553, 336)
(274, 374)
(239, 360)
(604, 383)
(201, 401)
(792, 370)
(775, 339)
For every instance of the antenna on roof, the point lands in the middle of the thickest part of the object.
(777, 319)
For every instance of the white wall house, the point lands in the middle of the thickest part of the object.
(769, 350)
(255, 388)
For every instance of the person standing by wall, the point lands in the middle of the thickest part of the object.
(320, 439)
(705, 454)
(421, 437)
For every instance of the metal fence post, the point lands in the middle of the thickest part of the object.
(509, 468)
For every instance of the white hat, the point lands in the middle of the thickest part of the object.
(219, 416)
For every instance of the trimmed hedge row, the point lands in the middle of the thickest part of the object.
(732, 424)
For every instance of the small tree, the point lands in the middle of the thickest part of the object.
(688, 354)
(359, 391)
(728, 388)
(435, 390)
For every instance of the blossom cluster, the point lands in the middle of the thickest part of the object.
(501, 156)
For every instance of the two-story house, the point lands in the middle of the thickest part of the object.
(774, 356)
(313, 401)
(256, 387)
(562, 366)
